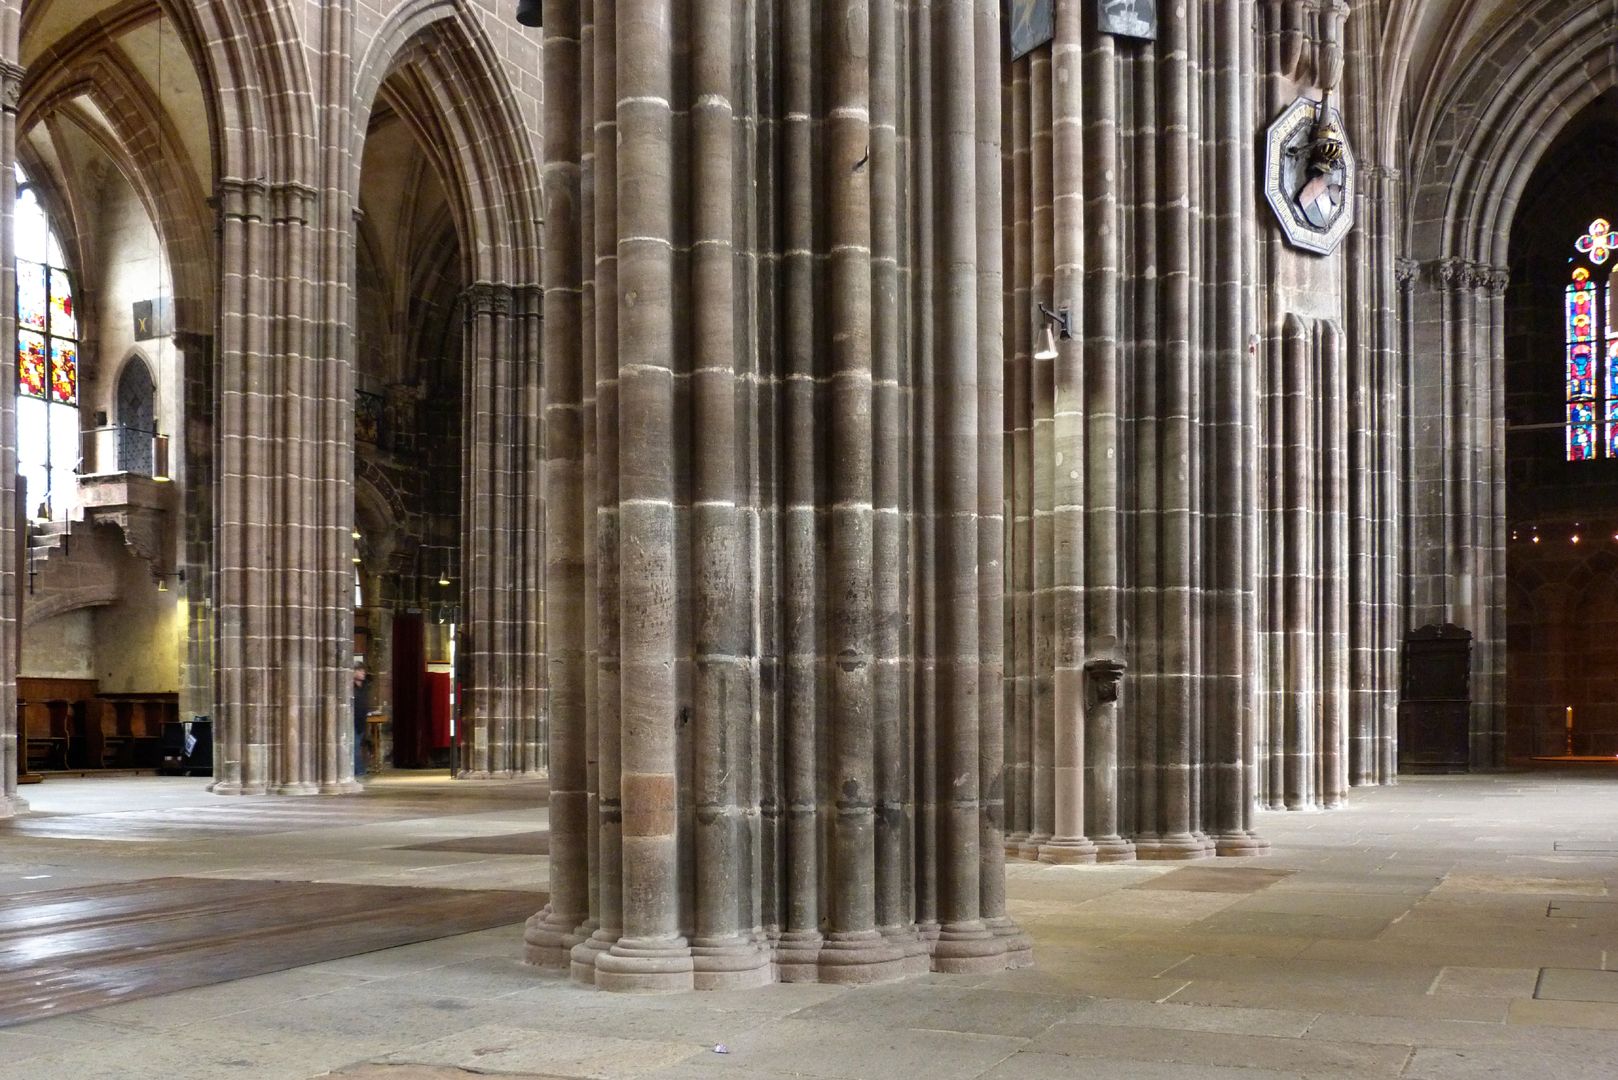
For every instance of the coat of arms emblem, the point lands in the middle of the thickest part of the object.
(1310, 175)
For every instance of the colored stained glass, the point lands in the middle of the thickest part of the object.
(30, 295)
(64, 323)
(1597, 245)
(1581, 380)
(47, 359)
(1581, 311)
(1581, 442)
(64, 371)
(31, 364)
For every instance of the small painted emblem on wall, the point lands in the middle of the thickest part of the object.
(1128, 18)
(1029, 24)
(1310, 175)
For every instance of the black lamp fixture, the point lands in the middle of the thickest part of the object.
(1058, 324)
(528, 13)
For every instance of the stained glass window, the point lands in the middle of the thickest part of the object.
(47, 359)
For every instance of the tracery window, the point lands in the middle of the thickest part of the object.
(47, 359)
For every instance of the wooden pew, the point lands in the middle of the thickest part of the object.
(48, 738)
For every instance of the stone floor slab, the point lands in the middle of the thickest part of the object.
(1576, 984)
(1487, 982)
(1202, 1048)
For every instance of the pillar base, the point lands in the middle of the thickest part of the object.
(1019, 946)
(1031, 845)
(1114, 849)
(582, 957)
(12, 805)
(860, 958)
(797, 956)
(1238, 844)
(305, 788)
(236, 787)
(548, 939)
(1065, 850)
(969, 948)
(917, 958)
(342, 787)
(729, 963)
(1175, 847)
(646, 966)
(1014, 844)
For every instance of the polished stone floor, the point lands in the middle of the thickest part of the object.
(1450, 927)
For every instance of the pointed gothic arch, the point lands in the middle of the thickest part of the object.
(438, 71)
(1510, 92)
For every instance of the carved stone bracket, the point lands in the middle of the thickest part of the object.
(487, 298)
(1405, 273)
(11, 76)
(1312, 41)
(1102, 678)
(1454, 273)
(140, 507)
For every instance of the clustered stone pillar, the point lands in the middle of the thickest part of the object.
(11, 514)
(1130, 478)
(774, 355)
(501, 650)
(1332, 442)
(284, 509)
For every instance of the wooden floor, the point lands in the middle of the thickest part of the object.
(75, 949)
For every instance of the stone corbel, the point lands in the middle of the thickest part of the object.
(1294, 39)
(1405, 273)
(11, 76)
(144, 531)
(1312, 41)
(1330, 15)
(1102, 677)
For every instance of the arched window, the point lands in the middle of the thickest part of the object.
(137, 419)
(47, 359)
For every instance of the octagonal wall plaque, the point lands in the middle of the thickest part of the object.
(1310, 175)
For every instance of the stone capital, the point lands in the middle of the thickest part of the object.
(487, 298)
(1454, 273)
(11, 76)
(1405, 273)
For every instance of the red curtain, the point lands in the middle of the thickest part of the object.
(411, 728)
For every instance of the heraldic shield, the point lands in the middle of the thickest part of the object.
(1309, 176)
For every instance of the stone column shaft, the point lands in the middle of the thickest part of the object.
(1066, 463)
(1102, 627)
(11, 516)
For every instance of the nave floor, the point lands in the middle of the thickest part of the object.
(1447, 928)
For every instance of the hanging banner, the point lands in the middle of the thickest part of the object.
(1029, 24)
(1128, 18)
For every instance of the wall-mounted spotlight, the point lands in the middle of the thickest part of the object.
(528, 13)
(1057, 324)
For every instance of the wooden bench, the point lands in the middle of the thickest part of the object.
(47, 733)
(52, 713)
(138, 721)
(68, 725)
